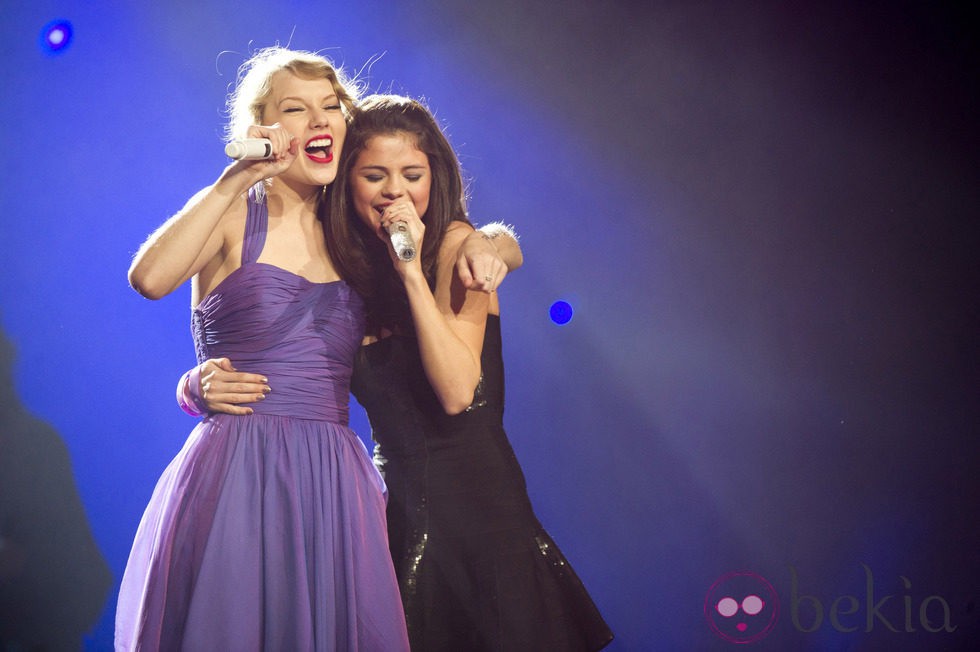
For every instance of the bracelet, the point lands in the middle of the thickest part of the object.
(188, 394)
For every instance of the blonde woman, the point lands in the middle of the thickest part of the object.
(267, 531)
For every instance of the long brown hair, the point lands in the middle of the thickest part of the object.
(359, 256)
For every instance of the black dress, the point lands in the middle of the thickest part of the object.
(475, 568)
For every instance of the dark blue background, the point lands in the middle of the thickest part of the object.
(763, 214)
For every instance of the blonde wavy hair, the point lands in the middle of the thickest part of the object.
(246, 103)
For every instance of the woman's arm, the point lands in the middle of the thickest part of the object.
(449, 325)
(193, 238)
(215, 386)
(487, 255)
(449, 322)
(185, 243)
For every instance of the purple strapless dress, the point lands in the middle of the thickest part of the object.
(267, 532)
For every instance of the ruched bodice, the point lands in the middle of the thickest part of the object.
(300, 335)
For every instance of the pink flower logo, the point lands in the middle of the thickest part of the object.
(741, 607)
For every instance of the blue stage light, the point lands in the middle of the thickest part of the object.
(561, 312)
(56, 36)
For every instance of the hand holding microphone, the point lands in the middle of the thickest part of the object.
(263, 143)
(249, 149)
(401, 241)
(395, 220)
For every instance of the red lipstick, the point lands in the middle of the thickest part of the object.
(319, 149)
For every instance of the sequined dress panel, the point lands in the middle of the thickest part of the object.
(476, 569)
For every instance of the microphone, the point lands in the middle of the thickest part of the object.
(249, 149)
(401, 240)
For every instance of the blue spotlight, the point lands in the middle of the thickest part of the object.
(561, 312)
(56, 36)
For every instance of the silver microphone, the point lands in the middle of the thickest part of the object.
(401, 240)
(249, 149)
